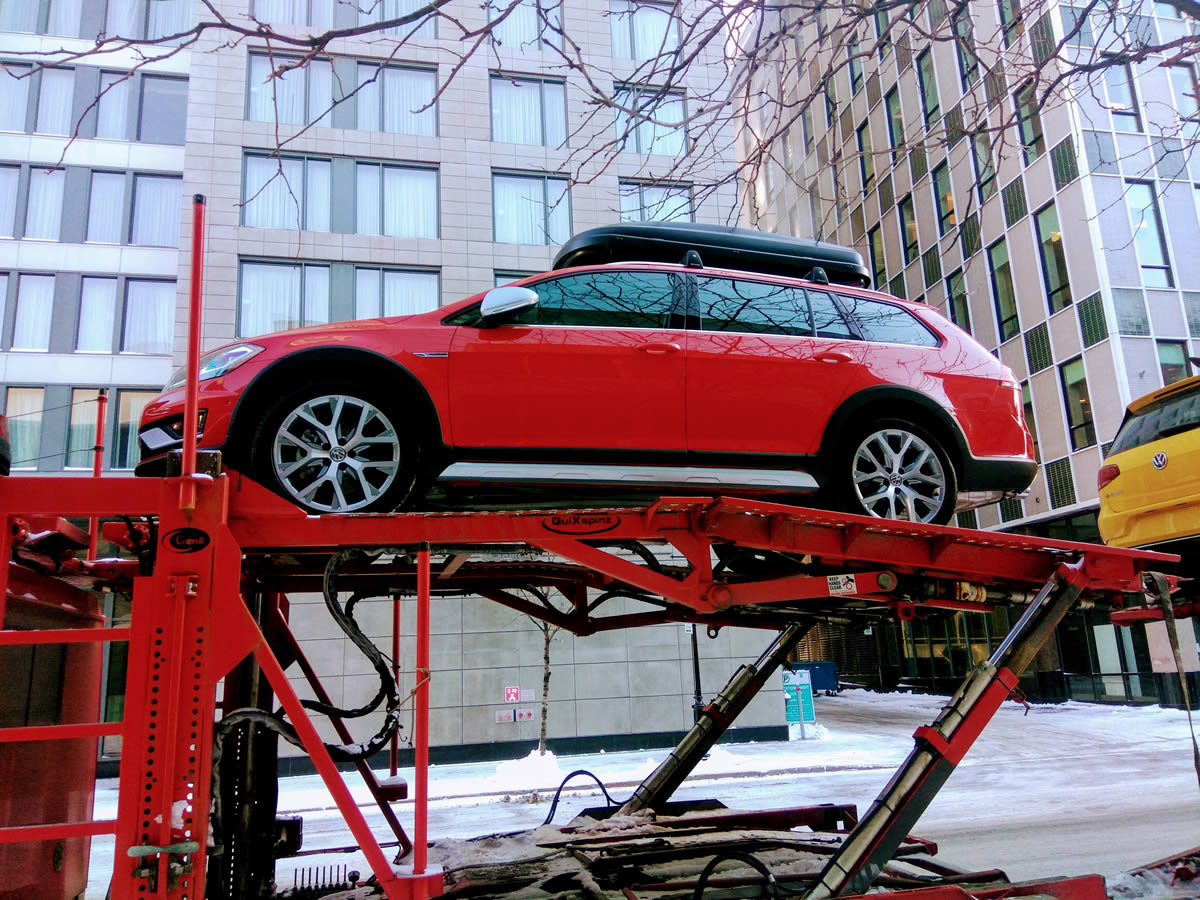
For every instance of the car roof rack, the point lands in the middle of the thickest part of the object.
(721, 246)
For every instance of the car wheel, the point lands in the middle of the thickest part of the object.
(337, 449)
(897, 470)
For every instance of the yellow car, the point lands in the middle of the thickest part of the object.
(1150, 481)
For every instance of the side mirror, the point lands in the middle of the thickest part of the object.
(504, 303)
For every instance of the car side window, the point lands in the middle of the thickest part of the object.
(605, 300)
(879, 321)
(829, 319)
(754, 307)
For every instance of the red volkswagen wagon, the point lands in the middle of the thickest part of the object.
(721, 361)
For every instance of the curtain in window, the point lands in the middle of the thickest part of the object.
(316, 295)
(666, 134)
(81, 437)
(65, 17)
(3, 296)
(55, 101)
(169, 17)
(274, 191)
(149, 317)
(24, 411)
(554, 97)
(558, 211)
(105, 207)
(371, 11)
(316, 195)
(122, 19)
(44, 213)
(516, 111)
(270, 298)
(35, 307)
(404, 92)
(130, 405)
(406, 293)
(519, 209)
(654, 31)
(519, 28)
(410, 207)
(156, 211)
(320, 92)
(321, 13)
(367, 97)
(14, 96)
(97, 303)
(284, 94)
(112, 109)
(8, 201)
(368, 199)
(631, 202)
(620, 14)
(366, 293)
(164, 110)
(281, 12)
(18, 15)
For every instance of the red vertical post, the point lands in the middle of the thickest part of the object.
(394, 754)
(97, 467)
(421, 717)
(191, 403)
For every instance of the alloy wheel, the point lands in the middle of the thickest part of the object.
(898, 475)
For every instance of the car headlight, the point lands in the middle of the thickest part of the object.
(217, 363)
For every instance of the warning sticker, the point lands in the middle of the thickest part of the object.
(841, 584)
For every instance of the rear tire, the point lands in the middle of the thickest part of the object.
(895, 469)
(337, 448)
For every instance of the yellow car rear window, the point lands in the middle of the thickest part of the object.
(1171, 415)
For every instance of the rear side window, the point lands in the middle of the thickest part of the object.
(830, 321)
(1168, 416)
(605, 300)
(879, 321)
(754, 307)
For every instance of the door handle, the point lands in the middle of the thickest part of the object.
(659, 347)
(834, 356)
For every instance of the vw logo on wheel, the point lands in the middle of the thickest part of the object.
(337, 454)
(1160, 460)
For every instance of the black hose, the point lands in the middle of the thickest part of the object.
(558, 793)
(771, 887)
(349, 625)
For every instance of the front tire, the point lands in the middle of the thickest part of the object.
(337, 449)
(896, 470)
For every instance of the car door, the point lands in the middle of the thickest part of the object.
(767, 366)
(594, 366)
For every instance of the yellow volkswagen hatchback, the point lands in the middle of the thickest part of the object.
(1150, 481)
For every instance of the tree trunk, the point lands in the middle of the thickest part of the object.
(547, 636)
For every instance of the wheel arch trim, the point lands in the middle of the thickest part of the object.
(930, 409)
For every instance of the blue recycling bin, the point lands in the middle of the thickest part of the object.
(824, 673)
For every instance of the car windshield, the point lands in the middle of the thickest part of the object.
(1170, 415)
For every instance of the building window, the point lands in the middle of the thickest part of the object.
(289, 96)
(878, 262)
(1173, 361)
(372, 12)
(278, 296)
(806, 129)
(642, 31)
(286, 192)
(1122, 99)
(81, 433)
(1054, 259)
(956, 300)
(43, 215)
(131, 19)
(9, 177)
(1185, 89)
(908, 229)
(1003, 291)
(312, 13)
(162, 113)
(130, 405)
(1010, 19)
(1077, 26)
(1030, 121)
(503, 278)
(149, 317)
(929, 92)
(943, 198)
(97, 312)
(964, 43)
(14, 94)
(1079, 405)
(854, 63)
(23, 409)
(649, 202)
(1030, 423)
(397, 201)
(106, 208)
(56, 101)
(650, 122)
(112, 106)
(895, 122)
(985, 169)
(396, 100)
(156, 201)
(391, 292)
(529, 111)
(1148, 235)
(831, 110)
(35, 307)
(528, 24)
(866, 159)
(530, 209)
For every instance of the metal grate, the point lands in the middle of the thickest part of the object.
(918, 164)
(931, 261)
(857, 226)
(1041, 39)
(904, 51)
(823, 152)
(874, 92)
(968, 234)
(955, 130)
(1062, 485)
(1037, 348)
(1015, 206)
(1104, 448)
(886, 197)
(1011, 508)
(847, 121)
(1091, 320)
(896, 287)
(1191, 302)
(1064, 163)
(1131, 311)
(995, 85)
(968, 519)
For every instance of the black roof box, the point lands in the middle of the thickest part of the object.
(718, 245)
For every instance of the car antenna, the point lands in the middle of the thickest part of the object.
(818, 276)
(692, 260)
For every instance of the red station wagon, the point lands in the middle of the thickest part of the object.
(606, 374)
